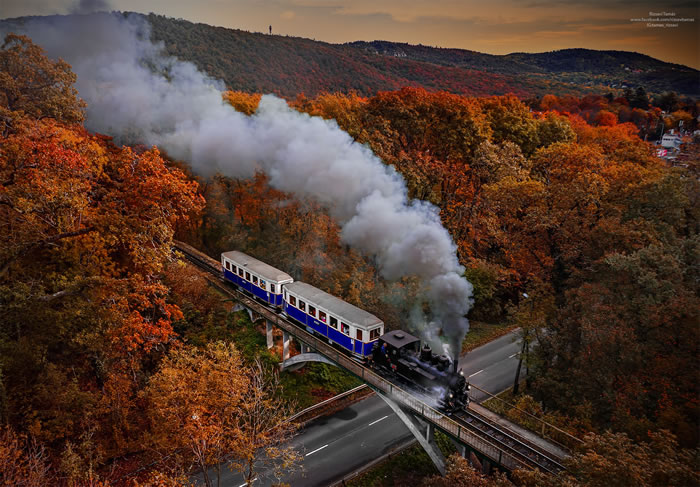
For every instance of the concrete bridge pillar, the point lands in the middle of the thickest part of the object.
(251, 315)
(414, 425)
(285, 345)
(268, 332)
(475, 462)
(430, 432)
(240, 307)
(462, 449)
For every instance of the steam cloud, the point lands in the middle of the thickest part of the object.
(137, 94)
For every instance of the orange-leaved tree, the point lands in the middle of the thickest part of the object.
(86, 228)
(208, 408)
(34, 85)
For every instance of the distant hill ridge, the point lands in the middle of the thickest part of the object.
(609, 68)
(552, 61)
(289, 66)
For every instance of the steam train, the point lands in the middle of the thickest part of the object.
(400, 354)
(355, 331)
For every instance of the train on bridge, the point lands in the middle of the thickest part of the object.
(493, 439)
(358, 333)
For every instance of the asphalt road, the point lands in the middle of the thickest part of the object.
(492, 366)
(337, 445)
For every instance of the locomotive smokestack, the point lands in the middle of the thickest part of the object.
(137, 94)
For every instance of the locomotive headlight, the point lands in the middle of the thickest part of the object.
(451, 395)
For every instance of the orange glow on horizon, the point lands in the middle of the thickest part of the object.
(499, 27)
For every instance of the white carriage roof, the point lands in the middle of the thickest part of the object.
(336, 306)
(260, 268)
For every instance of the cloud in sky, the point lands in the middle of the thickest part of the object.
(497, 27)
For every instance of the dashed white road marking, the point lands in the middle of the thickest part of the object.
(244, 485)
(476, 373)
(511, 356)
(317, 449)
(375, 422)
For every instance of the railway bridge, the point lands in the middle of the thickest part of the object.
(491, 440)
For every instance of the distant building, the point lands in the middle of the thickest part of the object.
(671, 141)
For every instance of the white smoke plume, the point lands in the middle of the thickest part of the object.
(137, 94)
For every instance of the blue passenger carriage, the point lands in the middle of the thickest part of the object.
(258, 278)
(342, 323)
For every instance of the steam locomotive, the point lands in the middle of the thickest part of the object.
(400, 354)
(355, 331)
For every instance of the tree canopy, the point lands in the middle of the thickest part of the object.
(35, 85)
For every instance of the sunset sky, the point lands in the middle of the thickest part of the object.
(496, 26)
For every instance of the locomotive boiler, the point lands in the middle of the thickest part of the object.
(402, 355)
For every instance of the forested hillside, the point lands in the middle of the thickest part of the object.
(289, 66)
(585, 67)
(95, 313)
(119, 365)
(600, 234)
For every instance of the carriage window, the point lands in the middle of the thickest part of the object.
(255, 280)
(312, 311)
(272, 288)
(228, 266)
(240, 271)
(262, 283)
(233, 268)
(345, 328)
(359, 335)
(322, 316)
(374, 334)
(302, 305)
(292, 300)
(334, 323)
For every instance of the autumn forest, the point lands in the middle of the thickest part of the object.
(109, 341)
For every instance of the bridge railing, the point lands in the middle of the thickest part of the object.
(529, 421)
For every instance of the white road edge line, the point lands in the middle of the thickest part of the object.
(244, 485)
(511, 356)
(476, 373)
(317, 449)
(375, 422)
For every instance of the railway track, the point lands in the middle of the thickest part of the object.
(199, 259)
(495, 435)
(509, 441)
(498, 435)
